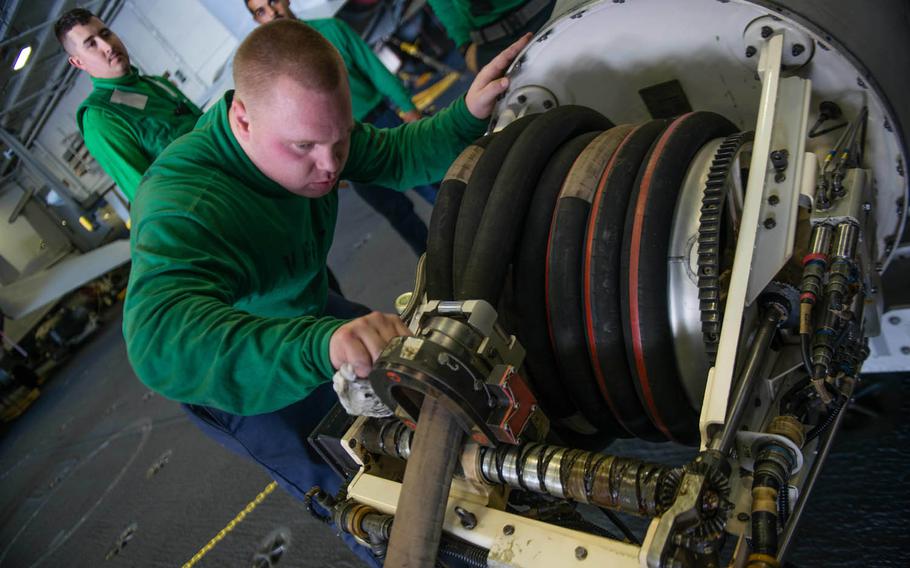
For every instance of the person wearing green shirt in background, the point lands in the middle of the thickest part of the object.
(128, 118)
(227, 308)
(370, 83)
(483, 28)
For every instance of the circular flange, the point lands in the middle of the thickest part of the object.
(798, 49)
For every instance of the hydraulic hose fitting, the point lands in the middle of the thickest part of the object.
(789, 427)
(839, 275)
(773, 466)
(815, 263)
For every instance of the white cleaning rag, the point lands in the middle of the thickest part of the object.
(357, 395)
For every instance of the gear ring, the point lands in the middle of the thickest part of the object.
(709, 238)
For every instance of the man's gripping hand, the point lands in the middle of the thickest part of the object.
(360, 341)
(490, 82)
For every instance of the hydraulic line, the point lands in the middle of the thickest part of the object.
(770, 321)
(774, 464)
(837, 291)
(610, 482)
(815, 264)
(369, 525)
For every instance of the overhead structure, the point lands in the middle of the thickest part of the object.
(674, 231)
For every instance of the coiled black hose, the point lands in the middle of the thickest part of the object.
(783, 505)
(463, 552)
(823, 426)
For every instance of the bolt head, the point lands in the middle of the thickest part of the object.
(751, 51)
(797, 49)
(905, 349)
(867, 206)
(770, 223)
(894, 320)
(743, 517)
(779, 177)
(508, 530)
(522, 99)
(581, 553)
(773, 200)
(766, 31)
(548, 104)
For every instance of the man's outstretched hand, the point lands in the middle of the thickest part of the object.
(490, 82)
(360, 341)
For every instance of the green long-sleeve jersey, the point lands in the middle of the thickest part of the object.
(369, 79)
(127, 121)
(228, 278)
(460, 17)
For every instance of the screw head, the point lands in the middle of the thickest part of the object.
(867, 206)
(766, 31)
(797, 49)
(548, 104)
(779, 177)
(773, 200)
(508, 530)
(751, 51)
(743, 517)
(770, 223)
(581, 553)
(905, 350)
(894, 320)
(522, 99)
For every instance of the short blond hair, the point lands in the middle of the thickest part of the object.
(286, 48)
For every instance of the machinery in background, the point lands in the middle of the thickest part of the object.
(675, 231)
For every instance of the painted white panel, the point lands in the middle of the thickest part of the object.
(19, 241)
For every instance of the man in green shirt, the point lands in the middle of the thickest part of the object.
(227, 308)
(483, 28)
(370, 83)
(129, 118)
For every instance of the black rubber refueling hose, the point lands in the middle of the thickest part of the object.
(602, 281)
(564, 298)
(414, 542)
(530, 284)
(444, 219)
(646, 241)
(504, 214)
(477, 191)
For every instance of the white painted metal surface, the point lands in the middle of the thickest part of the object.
(890, 351)
(527, 543)
(29, 294)
(720, 378)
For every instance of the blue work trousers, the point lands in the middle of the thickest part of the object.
(278, 440)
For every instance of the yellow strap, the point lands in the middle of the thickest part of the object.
(230, 526)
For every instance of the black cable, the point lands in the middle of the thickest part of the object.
(823, 426)
(626, 532)
(783, 505)
(806, 353)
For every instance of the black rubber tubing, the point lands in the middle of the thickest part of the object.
(565, 306)
(530, 281)
(504, 213)
(646, 325)
(477, 192)
(444, 218)
(601, 274)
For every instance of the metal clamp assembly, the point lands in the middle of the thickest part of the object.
(460, 356)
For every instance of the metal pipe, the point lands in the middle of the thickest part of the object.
(611, 482)
(772, 318)
(786, 538)
(425, 490)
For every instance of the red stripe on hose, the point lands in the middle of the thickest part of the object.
(589, 248)
(634, 317)
(815, 256)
